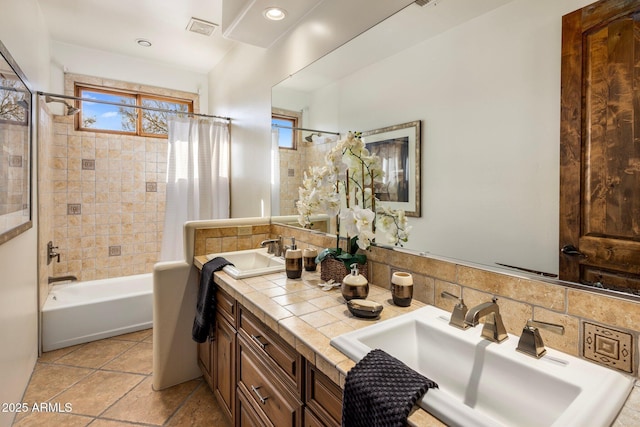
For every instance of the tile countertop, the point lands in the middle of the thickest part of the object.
(308, 318)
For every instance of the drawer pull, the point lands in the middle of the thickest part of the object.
(256, 338)
(255, 389)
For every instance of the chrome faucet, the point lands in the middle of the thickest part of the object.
(275, 246)
(493, 329)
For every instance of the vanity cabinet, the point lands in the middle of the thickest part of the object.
(323, 400)
(224, 364)
(261, 380)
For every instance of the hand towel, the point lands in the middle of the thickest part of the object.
(206, 303)
(380, 391)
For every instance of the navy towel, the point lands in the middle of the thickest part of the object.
(380, 391)
(206, 303)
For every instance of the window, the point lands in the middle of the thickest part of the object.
(281, 120)
(107, 117)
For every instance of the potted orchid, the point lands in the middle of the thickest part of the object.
(344, 187)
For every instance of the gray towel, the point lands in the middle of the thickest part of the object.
(206, 303)
(380, 391)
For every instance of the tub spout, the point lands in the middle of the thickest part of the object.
(62, 279)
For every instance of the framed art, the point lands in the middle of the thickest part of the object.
(399, 150)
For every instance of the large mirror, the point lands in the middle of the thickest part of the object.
(483, 77)
(15, 149)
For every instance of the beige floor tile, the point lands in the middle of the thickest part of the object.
(96, 354)
(144, 405)
(50, 419)
(49, 380)
(138, 359)
(200, 410)
(97, 392)
(52, 356)
(135, 336)
(111, 423)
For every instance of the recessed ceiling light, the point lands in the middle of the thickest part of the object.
(143, 42)
(275, 13)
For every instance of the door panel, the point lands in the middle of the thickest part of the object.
(600, 145)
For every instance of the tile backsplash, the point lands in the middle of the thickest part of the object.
(598, 327)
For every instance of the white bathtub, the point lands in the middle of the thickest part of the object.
(80, 312)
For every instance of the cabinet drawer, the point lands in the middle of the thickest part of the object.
(247, 416)
(278, 353)
(226, 306)
(323, 397)
(265, 392)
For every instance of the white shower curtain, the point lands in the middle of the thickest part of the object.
(197, 178)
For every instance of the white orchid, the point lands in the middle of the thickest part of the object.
(344, 187)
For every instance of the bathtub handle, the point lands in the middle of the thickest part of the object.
(256, 338)
(262, 399)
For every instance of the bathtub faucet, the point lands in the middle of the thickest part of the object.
(62, 279)
(493, 329)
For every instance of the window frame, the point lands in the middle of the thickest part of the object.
(294, 117)
(139, 97)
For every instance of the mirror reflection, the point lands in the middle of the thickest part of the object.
(487, 92)
(15, 111)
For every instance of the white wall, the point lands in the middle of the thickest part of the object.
(240, 87)
(22, 32)
(488, 95)
(80, 60)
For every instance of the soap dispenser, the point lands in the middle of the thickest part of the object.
(355, 285)
(293, 261)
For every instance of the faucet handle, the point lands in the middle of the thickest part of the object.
(531, 342)
(459, 311)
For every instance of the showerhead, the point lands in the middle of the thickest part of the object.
(71, 110)
(309, 138)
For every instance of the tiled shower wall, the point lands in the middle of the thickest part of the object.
(108, 194)
(293, 164)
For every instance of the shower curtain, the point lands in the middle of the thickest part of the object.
(197, 178)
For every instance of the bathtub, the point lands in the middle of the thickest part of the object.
(80, 312)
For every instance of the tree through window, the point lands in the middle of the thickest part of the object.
(108, 114)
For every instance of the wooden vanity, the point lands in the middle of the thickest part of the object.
(261, 380)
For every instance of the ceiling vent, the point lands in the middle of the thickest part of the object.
(423, 2)
(201, 27)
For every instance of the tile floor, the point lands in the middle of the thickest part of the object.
(107, 383)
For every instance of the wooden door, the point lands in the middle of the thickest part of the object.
(600, 146)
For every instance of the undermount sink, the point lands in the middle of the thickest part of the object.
(482, 383)
(249, 263)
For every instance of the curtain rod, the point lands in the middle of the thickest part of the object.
(308, 130)
(119, 104)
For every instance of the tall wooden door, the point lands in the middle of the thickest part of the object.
(600, 145)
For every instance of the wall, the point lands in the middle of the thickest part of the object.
(28, 45)
(108, 193)
(240, 87)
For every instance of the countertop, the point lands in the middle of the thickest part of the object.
(308, 317)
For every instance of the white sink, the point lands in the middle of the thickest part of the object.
(482, 383)
(249, 263)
